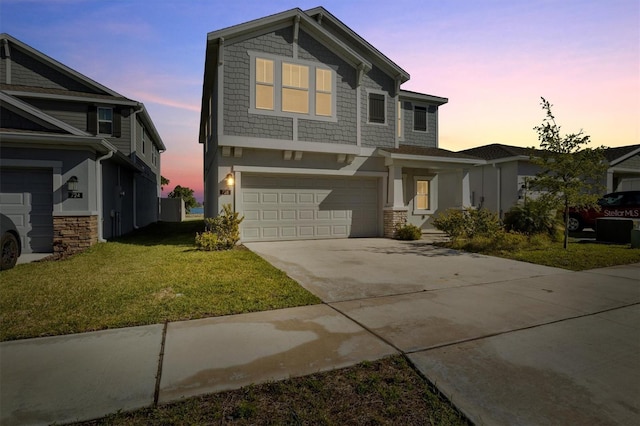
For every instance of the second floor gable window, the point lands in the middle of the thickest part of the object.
(105, 121)
(376, 108)
(420, 118)
(284, 86)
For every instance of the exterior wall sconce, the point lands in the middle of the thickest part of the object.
(72, 188)
(229, 179)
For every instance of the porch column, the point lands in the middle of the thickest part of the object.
(610, 187)
(395, 211)
(466, 189)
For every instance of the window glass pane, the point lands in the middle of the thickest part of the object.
(420, 118)
(399, 123)
(323, 104)
(294, 100)
(105, 127)
(422, 195)
(295, 75)
(376, 108)
(264, 70)
(264, 97)
(105, 114)
(323, 80)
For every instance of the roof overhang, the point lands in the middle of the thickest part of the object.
(56, 141)
(625, 157)
(462, 161)
(422, 97)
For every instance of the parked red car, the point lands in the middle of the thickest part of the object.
(617, 204)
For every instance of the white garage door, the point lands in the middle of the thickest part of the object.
(280, 207)
(26, 197)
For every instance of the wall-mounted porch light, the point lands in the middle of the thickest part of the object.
(229, 179)
(72, 188)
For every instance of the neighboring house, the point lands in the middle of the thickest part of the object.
(78, 162)
(624, 168)
(310, 122)
(501, 182)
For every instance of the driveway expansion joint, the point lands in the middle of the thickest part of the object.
(156, 392)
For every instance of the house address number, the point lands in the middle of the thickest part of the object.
(75, 194)
(225, 192)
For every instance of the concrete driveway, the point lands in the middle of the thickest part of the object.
(508, 342)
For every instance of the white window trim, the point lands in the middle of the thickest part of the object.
(277, 85)
(386, 118)
(433, 194)
(413, 119)
(98, 121)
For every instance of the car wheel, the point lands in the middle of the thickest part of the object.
(10, 251)
(575, 224)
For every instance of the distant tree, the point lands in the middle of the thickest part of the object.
(186, 194)
(570, 175)
(163, 182)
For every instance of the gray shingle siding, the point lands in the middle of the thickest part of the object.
(343, 131)
(411, 137)
(72, 113)
(27, 71)
(237, 84)
(378, 135)
(631, 163)
(11, 120)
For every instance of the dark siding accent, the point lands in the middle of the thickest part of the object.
(92, 120)
(117, 123)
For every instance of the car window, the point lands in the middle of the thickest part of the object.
(631, 199)
(611, 200)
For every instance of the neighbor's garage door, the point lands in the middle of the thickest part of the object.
(26, 196)
(277, 207)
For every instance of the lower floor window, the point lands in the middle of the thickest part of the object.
(422, 195)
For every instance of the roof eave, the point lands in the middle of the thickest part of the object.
(430, 158)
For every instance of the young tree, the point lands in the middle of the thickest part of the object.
(186, 194)
(571, 174)
(163, 182)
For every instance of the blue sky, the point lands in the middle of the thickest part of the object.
(493, 59)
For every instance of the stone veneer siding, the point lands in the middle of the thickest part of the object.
(73, 234)
(391, 219)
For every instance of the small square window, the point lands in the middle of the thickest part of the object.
(105, 121)
(376, 108)
(420, 118)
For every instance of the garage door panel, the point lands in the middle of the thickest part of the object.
(26, 197)
(308, 207)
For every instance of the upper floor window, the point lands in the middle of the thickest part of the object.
(264, 84)
(295, 88)
(290, 87)
(105, 121)
(399, 124)
(420, 118)
(324, 92)
(377, 108)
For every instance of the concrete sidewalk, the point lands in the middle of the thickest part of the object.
(509, 342)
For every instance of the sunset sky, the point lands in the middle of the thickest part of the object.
(493, 59)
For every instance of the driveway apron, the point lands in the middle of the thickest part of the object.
(509, 342)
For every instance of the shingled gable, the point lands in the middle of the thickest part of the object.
(619, 154)
(499, 153)
(355, 56)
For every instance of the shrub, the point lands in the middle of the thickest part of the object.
(407, 231)
(221, 232)
(533, 217)
(468, 223)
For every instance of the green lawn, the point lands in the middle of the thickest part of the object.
(152, 276)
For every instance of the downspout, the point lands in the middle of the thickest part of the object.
(100, 194)
(136, 110)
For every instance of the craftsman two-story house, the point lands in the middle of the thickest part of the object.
(78, 162)
(307, 133)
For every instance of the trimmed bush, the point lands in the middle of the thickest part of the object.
(408, 232)
(221, 232)
(468, 223)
